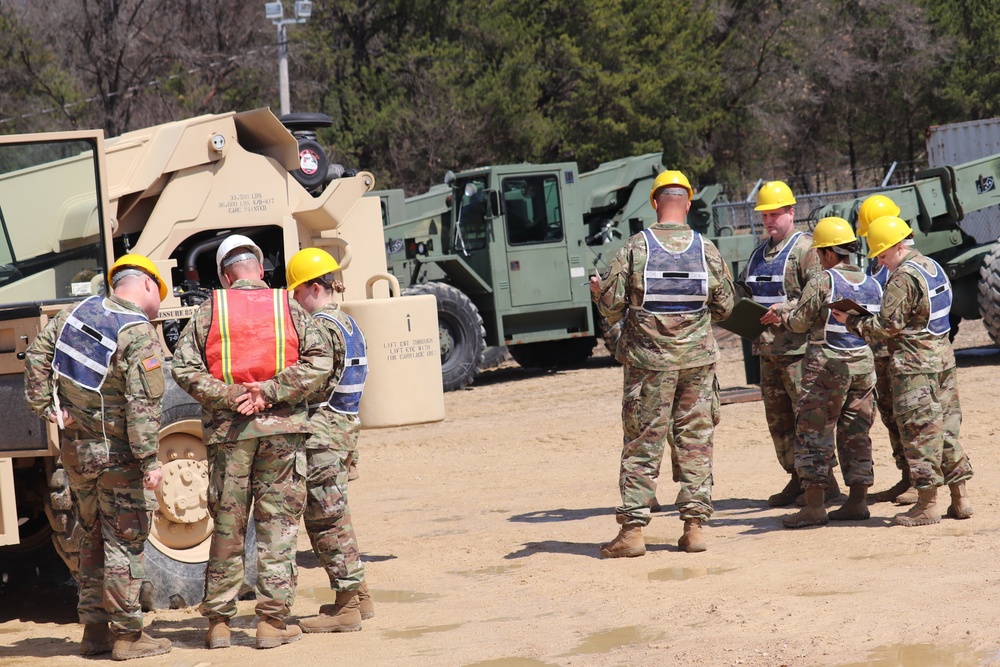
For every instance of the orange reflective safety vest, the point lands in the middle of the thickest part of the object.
(252, 337)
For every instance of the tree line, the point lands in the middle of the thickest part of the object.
(825, 94)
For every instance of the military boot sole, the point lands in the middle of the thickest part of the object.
(695, 548)
(367, 615)
(959, 512)
(631, 552)
(912, 522)
(96, 649)
(140, 653)
(332, 628)
(804, 522)
(219, 642)
(275, 642)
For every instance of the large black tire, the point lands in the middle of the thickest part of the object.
(463, 337)
(493, 356)
(989, 293)
(565, 353)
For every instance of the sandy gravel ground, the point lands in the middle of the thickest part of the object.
(481, 539)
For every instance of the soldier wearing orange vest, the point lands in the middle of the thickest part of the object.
(251, 356)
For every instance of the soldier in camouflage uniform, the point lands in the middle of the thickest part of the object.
(95, 369)
(914, 323)
(668, 284)
(333, 415)
(251, 356)
(836, 406)
(776, 272)
(872, 208)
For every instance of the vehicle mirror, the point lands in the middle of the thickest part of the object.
(495, 210)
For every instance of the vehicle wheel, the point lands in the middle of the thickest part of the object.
(554, 353)
(462, 334)
(989, 293)
(493, 356)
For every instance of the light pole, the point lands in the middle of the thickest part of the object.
(275, 11)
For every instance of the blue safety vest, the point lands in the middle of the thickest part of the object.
(867, 294)
(766, 278)
(87, 341)
(674, 283)
(940, 295)
(879, 273)
(346, 396)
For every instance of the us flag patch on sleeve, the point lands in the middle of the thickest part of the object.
(151, 363)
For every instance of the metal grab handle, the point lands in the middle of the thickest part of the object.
(391, 279)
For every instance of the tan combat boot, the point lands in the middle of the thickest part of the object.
(218, 635)
(813, 514)
(138, 645)
(894, 491)
(272, 633)
(787, 495)
(344, 616)
(856, 507)
(960, 507)
(627, 544)
(924, 513)
(832, 490)
(365, 602)
(693, 539)
(97, 639)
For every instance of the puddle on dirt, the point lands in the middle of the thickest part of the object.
(413, 633)
(602, 642)
(511, 662)
(685, 573)
(928, 655)
(327, 595)
(491, 570)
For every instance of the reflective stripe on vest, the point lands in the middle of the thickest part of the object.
(867, 294)
(252, 337)
(87, 341)
(674, 282)
(939, 292)
(766, 278)
(346, 396)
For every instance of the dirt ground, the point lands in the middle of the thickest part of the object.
(481, 533)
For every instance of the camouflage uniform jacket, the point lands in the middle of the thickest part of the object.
(802, 265)
(810, 314)
(906, 305)
(664, 341)
(126, 412)
(286, 391)
(320, 420)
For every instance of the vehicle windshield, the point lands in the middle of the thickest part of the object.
(471, 224)
(50, 230)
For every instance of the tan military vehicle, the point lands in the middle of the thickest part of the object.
(71, 202)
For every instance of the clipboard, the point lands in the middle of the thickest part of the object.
(850, 307)
(745, 319)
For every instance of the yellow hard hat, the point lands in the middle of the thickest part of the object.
(141, 263)
(872, 209)
(667, 178)
(886, 232)
(772, 195)
(831, 232)
(308, 264)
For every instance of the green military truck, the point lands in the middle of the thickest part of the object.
(935, 205)
(508, 251)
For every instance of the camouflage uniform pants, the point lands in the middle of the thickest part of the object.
(834, 413)
(115, 516)
(780, 385)
(929, 417)
(327, 515)
(652, 400)
(883, 400)
(270, 473)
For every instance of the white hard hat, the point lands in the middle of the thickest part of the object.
(232, 243)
